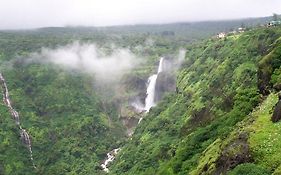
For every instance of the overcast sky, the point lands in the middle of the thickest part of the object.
(15, 14)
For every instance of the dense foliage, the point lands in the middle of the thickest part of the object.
(70, 128)
(191, 131)
(187, 133)
(249, 169)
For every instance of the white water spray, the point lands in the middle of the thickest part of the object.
(15, 115)
(110, 157)
(149, 100)
(150, 91)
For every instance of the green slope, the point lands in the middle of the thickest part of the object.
(218, 121)
(71, 130)
(189, 132)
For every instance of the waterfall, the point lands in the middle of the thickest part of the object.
(149, 100)
(110, 157)
(15, 115)
(161, 65)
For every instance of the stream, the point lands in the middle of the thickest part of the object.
(149, 103)
(110, 157)
(15, 115)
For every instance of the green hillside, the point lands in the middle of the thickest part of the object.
(219, 119)
(70, 128)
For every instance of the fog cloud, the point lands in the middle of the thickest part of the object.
(181, 56)
(43, 13)
(90, 59)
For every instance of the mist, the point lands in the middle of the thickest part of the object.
(33, 13)
(174, 62)
(88, 58)
(181, 56)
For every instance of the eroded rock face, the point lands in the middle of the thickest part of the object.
(235, 153)
(130, 117)
(165, 83)
(263, 82)
(277, 87)
(136, 86)
(130, 123)
(276, 116)
(135, 83)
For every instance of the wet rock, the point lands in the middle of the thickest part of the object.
(276, 116)
(135, 82)
(130, 118)
(165, 83)
(277, 87)
(130, 124)
(235, 153)
(110, 157)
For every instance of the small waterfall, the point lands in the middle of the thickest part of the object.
(15, 115)
(149, 101)
(150, 98)
(161, 65)
(110, 157)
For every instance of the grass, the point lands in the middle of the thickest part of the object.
(209, 158)
(265, 136)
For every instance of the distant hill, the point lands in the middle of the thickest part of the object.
(187, 30)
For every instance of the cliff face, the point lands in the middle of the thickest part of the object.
(165, 83)
(219, 119)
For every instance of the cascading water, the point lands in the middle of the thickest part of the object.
(15, 115)
(149, 100)
(110, 157)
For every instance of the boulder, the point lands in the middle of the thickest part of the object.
(276, 116)
(235, 153)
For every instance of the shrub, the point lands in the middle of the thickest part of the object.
(249, 169)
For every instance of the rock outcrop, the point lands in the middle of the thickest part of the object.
(276, 116)
(235, 153)
(165, 83)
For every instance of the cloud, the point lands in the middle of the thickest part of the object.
(43, 13)
(174, 62)
(106, 68)
(181, 56)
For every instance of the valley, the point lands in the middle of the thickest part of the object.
(148, 99)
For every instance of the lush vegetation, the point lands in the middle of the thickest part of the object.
(190, 132)
(70, 128)
(217, 121)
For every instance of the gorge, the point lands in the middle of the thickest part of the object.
(212, 110)
(150, 102)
